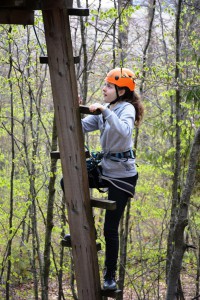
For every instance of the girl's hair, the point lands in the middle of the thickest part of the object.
(133, 98)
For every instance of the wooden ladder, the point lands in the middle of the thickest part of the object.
(71, 144)
(94, 202)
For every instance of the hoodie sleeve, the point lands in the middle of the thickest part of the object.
(90, 123)
(122, 124)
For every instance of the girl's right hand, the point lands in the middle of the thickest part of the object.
(95, 106)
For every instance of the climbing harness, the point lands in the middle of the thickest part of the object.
(98, 180)
(117, 156)
(95, 172)
(101, 182)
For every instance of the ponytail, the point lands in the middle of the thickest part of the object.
(133, 98)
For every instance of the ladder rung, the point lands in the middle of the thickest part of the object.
(67, 243)
(44, 59)
(76, 59)
(56, 154)
(87, 154)
(82, 12)
(85, 110)
(102, 203)
(111, 294)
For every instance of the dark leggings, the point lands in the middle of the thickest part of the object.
(112, 220)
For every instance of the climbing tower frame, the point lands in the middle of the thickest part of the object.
(71, 145)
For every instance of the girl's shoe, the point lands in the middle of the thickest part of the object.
(109, 281)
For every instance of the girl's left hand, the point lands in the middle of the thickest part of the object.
(80, 100)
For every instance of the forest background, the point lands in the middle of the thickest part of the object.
(160, 236)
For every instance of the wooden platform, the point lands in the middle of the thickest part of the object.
(110, 294)
(67, 243)
(103, 203)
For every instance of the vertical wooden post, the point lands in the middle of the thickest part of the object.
(65, 97)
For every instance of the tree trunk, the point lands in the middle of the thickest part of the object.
(49, 219)
(9, 251)
(123, 46)
(146, 47)
(84, 85)
(179, 243)
(60, 273)
(34, 127)
(177, 166)
(87, 64)
(123, 249)
(198, 268)
(123, 31)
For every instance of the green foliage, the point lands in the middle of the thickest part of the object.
(193, 95)
(33, 118)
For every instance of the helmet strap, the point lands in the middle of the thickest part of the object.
(118, 97)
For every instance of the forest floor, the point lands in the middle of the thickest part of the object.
(25, 292)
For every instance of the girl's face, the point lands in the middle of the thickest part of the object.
(109, 92)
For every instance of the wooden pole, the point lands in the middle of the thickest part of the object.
(70, 137)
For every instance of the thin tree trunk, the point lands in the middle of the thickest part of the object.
(123, 46)
(34, 126)
(34, 244)
(72, 280)
(198, 268)
(85, 74)
(9, 252)
(177, 166)
(182, 221)
(121, 259)
(49, 219)
(123, 249)
(123, 32)
(114, 39)
(152, 15)
(60, 273)
(87, 64)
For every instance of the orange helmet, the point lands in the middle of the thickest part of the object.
(122, 77)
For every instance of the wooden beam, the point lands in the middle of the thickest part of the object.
(36, 4)
(56, 154)
(85, 110)
(81, 12)
(71, 145)
(110, 294)
(68, 243)
(103, 203)
(13, 3)
(44, 59)
(16, 16)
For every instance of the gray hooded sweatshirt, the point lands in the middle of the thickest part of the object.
(116, 128)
